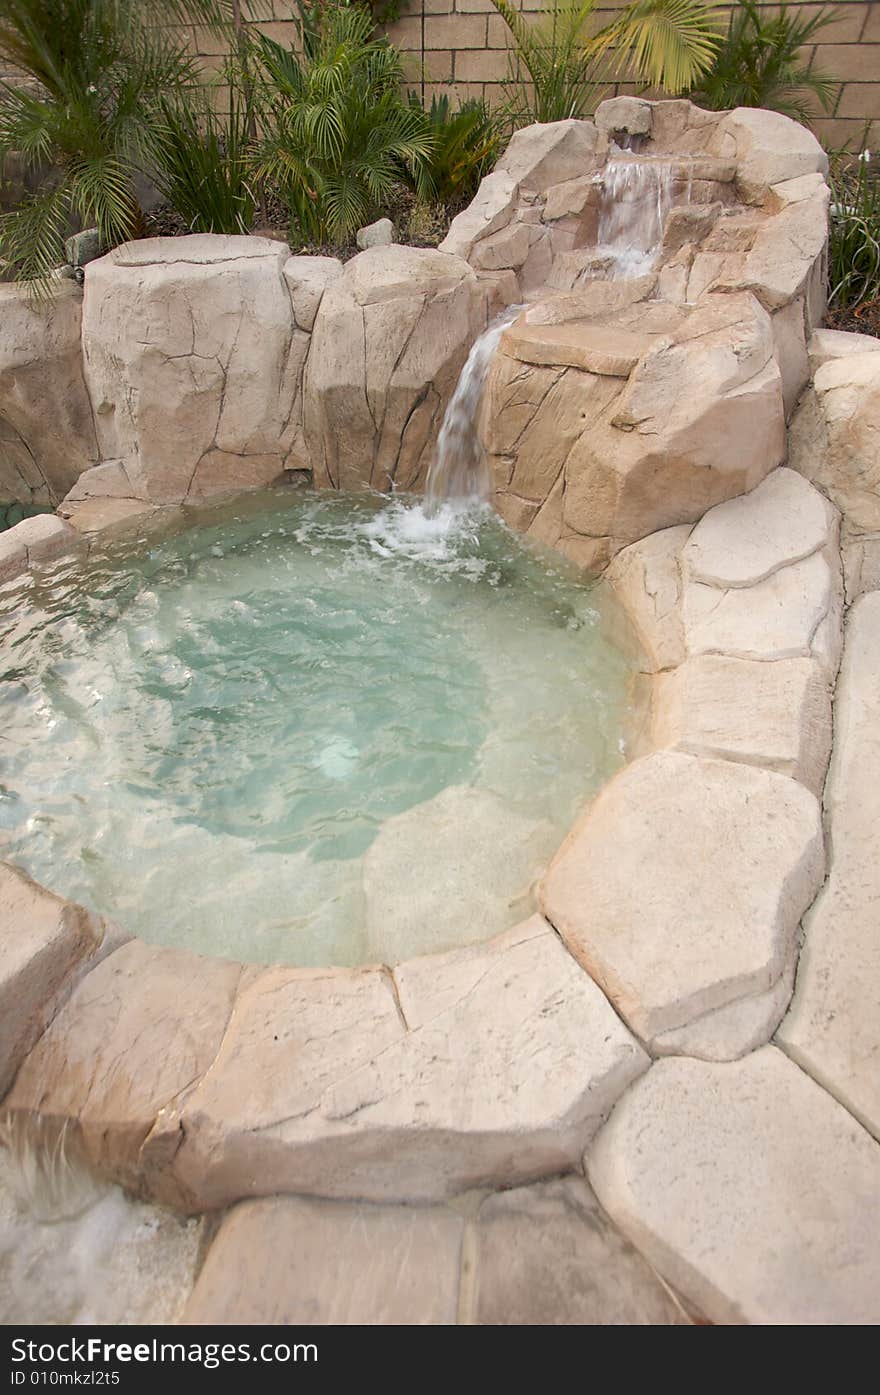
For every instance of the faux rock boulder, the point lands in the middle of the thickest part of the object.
(389, 342)
(605, 427)
(834, 443)
(194, 360)
(47, 434)
(44, 941)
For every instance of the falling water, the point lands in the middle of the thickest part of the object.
(638, 195)
(458, 472)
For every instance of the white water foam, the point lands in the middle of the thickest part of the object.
(637, 197)
(459, 473)
(74, 1250)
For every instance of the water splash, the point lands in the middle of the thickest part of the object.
(637, 197)
(74, 1250)
(459, 474)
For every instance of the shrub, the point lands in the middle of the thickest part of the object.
(464, 146)
(89, 121)
(760, 64)
(203, 164)
(854, 241)
(338, 134)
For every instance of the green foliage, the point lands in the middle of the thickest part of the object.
(854, 242)
(338, 134)
(202, 165)
(90, 116)
(558, 69)
(760, 64)
(465, 146)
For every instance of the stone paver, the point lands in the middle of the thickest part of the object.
(780, 618)
(833, 1028)
(745, 540)
(512, 1058)
(682, 889)
(749, 1188)
(138, 1031)
(776, 715)
(547, 1256)
(733, 1030)
(287, 1260)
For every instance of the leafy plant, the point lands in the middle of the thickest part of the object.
(88, 122)
(557, 67)
(339, 135)
(202, 164)
(854, 241)
(760, 64)
(465, 145)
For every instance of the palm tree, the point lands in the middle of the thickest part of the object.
(87, 121)
(663, 43)
(338, 133)
(760, 64)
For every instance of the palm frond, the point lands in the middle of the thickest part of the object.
(665, 43)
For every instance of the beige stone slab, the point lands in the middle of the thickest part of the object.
(320, 1088)
(682, 888)
(646, 577)
(503, 250)
(291, 1261)
(135, 1035)
(94, 515)
(13, 555)
(44, 538)
(43, 941)
(834, 436)
(776, 715)
(745, 540)
(307, 279)
(833, 1027)
(47, 428)
(828, 344)
(789, 338)
(750, 1189)
(732, 1031)
(597, 348)
(548, 1256)
(780, 618)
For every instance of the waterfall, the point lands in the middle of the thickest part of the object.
(458, 472)
(637, 196)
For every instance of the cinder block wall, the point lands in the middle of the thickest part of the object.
(461, 47)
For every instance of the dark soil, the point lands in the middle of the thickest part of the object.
(415, 224)
(864, 319)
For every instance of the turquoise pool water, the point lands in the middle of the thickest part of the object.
(307, 728)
